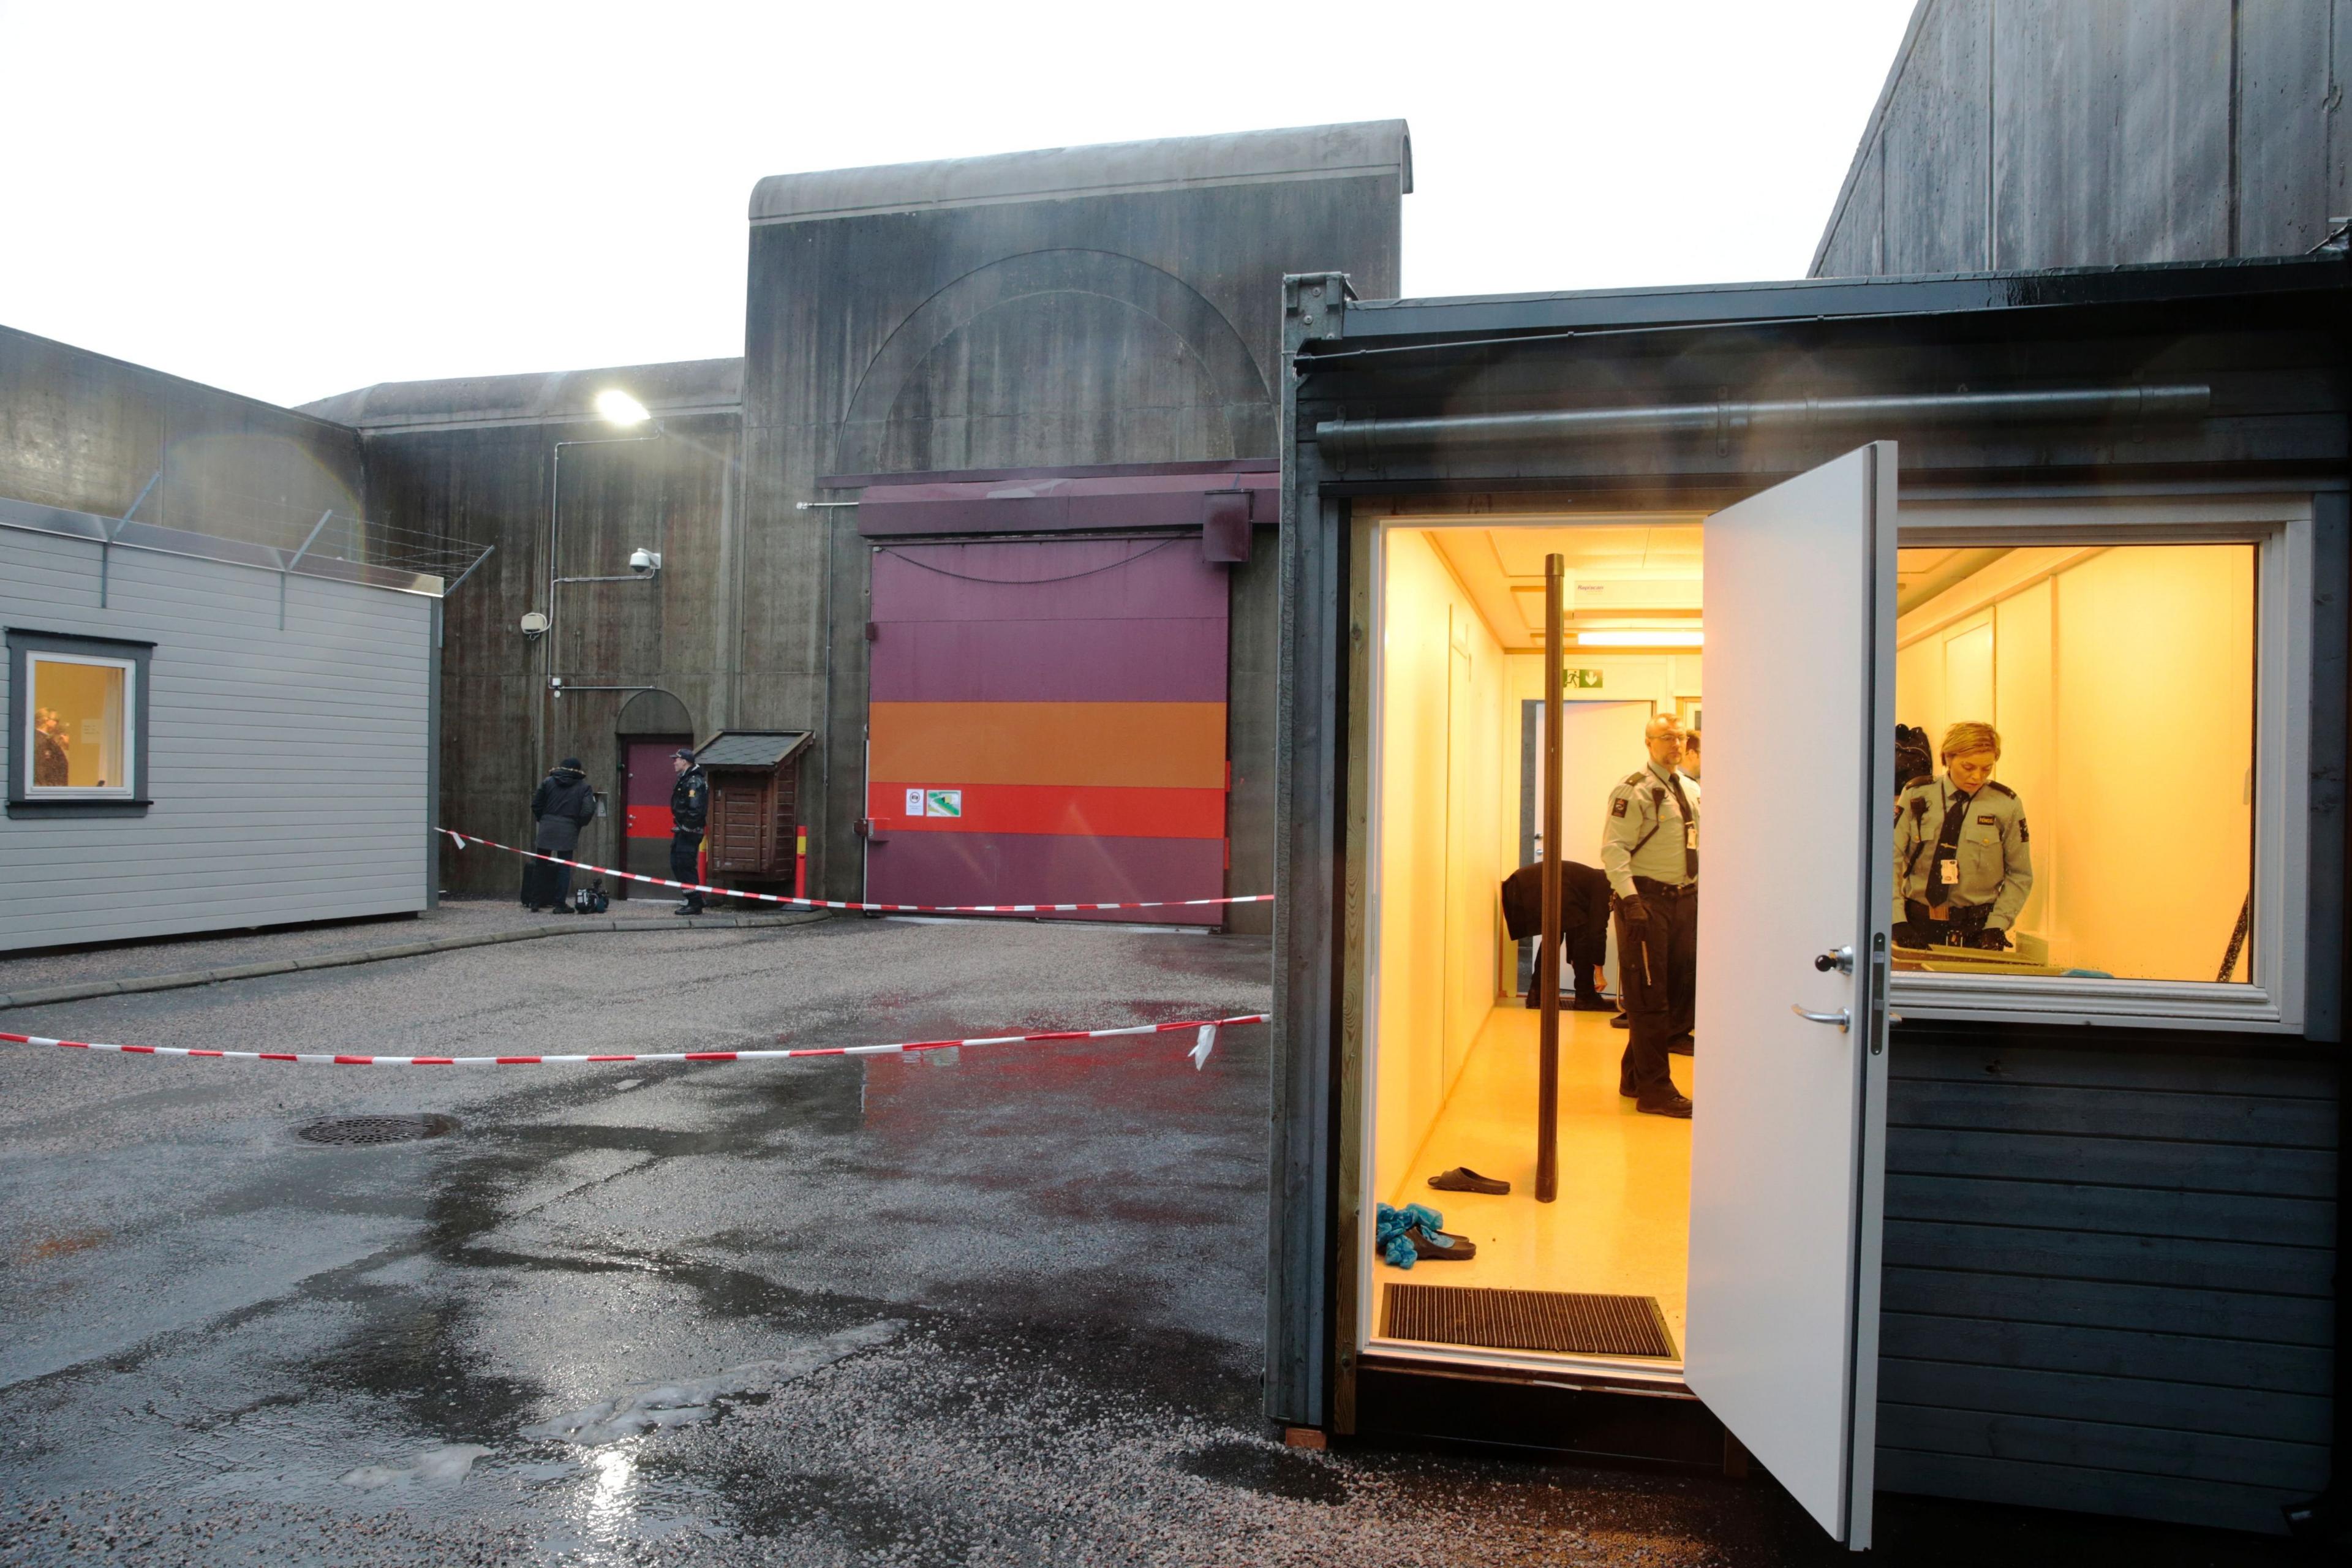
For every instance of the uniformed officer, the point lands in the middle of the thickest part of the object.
(690, 808)
(1649, 848)
(1963, 858)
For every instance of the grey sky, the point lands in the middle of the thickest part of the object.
(292, 200)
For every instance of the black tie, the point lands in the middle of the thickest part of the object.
(1690, 851)
(1948, 847)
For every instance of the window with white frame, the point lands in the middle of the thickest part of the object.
(77, 721)
(2103, 760)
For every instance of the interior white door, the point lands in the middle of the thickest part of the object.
(1787, 1137)
(1596, 739)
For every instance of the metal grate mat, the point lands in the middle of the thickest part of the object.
(1558, 1321)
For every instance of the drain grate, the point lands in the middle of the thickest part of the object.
(1557, 1321)
(347, 1131)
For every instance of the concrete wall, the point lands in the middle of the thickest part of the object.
(2034, 134)
(1077, 307)
(85, 432)
(475, 459)
(289, 768)
(1080, 306)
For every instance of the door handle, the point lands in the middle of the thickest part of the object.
(1842, 1017)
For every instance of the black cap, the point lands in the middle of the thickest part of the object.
(683, 755)
(573, 763)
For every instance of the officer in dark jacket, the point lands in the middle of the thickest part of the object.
(560, 808)
(690, 808)
(1583, 925)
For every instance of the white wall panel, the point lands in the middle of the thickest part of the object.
(289, 768)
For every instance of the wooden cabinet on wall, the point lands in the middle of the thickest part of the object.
(754, 827)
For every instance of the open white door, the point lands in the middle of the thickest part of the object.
(1788, 1139)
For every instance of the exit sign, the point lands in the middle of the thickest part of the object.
(1583, 680)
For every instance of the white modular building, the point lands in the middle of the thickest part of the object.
(208, 734)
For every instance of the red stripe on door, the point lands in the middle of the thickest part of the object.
(1090, 810)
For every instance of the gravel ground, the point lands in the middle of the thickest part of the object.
(996, 1306)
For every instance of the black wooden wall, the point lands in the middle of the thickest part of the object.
(2026, 133)
(2110, 1274)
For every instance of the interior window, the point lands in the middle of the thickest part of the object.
(2076, 761)
(78, 737)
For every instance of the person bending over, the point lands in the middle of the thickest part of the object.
(560, 808)
(1963, 858)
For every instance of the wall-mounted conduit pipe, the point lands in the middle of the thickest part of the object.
(1357, 442)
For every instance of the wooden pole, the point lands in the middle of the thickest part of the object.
(1548, 970)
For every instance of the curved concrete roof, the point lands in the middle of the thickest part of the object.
(1304, 152)
(552, 397)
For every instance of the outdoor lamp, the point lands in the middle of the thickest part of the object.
(617, 407)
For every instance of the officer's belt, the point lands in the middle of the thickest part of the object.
(1651, 887)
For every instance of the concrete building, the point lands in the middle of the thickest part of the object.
(521, 466)
(1102, 318)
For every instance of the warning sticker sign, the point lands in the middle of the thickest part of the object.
(914, 802)
(943, 803)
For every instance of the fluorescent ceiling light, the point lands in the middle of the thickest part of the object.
(617, 407)
(1641, 640)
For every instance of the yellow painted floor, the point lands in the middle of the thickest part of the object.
(1621, 1224)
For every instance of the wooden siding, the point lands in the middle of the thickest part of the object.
(2029, 133)
(288, 768)
(2109, 1278)
(740, 825)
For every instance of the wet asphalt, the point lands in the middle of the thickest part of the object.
(994, 1306)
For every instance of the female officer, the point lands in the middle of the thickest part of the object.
(1963, 859)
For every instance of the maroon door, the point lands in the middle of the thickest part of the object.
(645, 779)
(1046, 723)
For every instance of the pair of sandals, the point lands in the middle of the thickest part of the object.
(1411, 1233)
(1444, 1246)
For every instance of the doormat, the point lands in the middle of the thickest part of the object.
(1559, 1321)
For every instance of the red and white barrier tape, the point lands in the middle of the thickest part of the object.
(1204, 1041)
(463, 839)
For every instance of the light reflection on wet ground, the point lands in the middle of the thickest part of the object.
(214, 1327)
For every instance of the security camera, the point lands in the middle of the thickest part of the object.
(644, 563)
(533, 624)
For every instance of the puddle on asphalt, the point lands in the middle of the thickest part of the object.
(1263, 1467)
(647, 1406)
(866, 1512)
(444, 1466)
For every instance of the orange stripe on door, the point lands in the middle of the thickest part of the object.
(1089, 810)
(1162, 745)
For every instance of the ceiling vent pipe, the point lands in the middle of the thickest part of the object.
(1357, 442)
